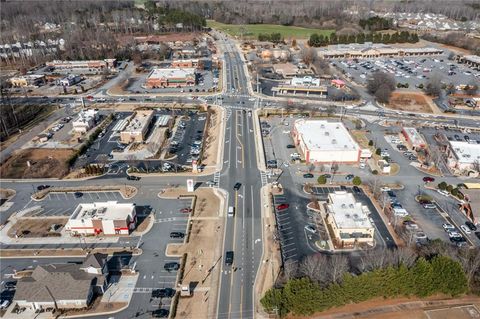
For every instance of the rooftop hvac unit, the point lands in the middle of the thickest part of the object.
(344, 206)
(337, 127)
(322, 125)
(345, 146)
(327, 133)
(347, 215)
(334, 141)
(355, 216)
(350, 205)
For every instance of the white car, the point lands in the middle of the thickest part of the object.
(385, 189)
(310, 228)
(466, 229)
(443, 192)
(448, 227)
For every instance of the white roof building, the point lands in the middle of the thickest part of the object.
(325, 142)
(348, 219)
(84, 121)
(109, 218)
(466, 156)
(137, 128)
(305, 81)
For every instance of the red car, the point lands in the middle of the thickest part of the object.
(186, 210)
(90, 98)
(428, 179)
(282, 206)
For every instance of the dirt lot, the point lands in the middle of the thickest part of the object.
(404, 308)
(37, 227)
(213, 139)
(412, 102)
(46, 163)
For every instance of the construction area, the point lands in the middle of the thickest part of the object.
(412, 102)
(37, 163)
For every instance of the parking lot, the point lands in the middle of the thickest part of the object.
(413, 71)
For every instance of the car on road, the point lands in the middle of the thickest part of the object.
(42, 187)
(428, 179)
(171, 266)
(310, 228)
(176, 234)
(385, 189)
(471, 225)
(448, 226)
(210, 183)
(163, 293)
(429, 206)
(237, 186)
(466, 229)
(356, 189)
(308, 175)
(290, 146)
(282, 206)
(186, 210)
(327, 175)
(160, 313)
(78, 194)
(133, 178)
(229, 258)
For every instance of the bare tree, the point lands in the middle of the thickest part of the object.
(337, 267)
(470, 261)
(308, 55)
(434, 85)
(381, 85)
(314, 267)
(290, 270)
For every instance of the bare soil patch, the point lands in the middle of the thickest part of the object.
(401, 308)
(411, 102)
(37, 227)
(44, 163)
(213, 138)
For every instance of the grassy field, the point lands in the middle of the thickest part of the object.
(253, 30)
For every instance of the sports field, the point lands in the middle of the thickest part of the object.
(253, 30)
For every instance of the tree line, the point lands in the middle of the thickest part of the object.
(375, 23)
(318, 40)
(320, 282)
(272, 37)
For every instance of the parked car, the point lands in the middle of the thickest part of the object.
(290, 146)
(310, 228)
(349, 177)
(466, 229)
(443, 192)
(42, 187)
(4, 304)
(448, 226)
(186, 210)
(11, 285)
(308, 175)
(237, 186)
(210, 183)
(471, 225)
(428, 179)
(78, 194)
(171, 266)
(282, 206)
(429, 206)
(229, 258)
(356, 189)
(176, 234)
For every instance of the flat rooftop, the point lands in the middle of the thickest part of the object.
(111, 210)
(171, 73)
(414, 136)
(466, 153)
(138, 122)
(325, 136)
(348, 213)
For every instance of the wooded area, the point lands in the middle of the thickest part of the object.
(321, 282)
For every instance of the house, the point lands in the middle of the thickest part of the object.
(63, 286)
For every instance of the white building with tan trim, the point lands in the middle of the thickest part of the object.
(370, 50)
(348, 220)
(325, 142)
(137, 127)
